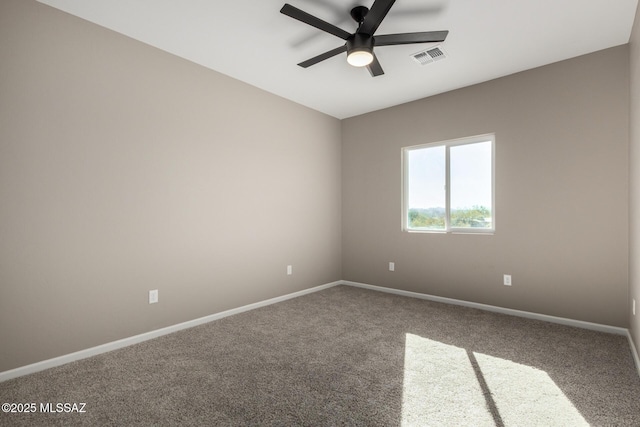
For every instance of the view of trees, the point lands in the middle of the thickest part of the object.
(433, 218)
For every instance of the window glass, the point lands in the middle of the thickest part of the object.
(448, 186)
(427, 193)
(471, 189)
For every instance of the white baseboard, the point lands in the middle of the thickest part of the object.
(512, 312)
(634, 351)
(93, 351)
(495, 309)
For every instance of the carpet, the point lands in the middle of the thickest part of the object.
(346, 356)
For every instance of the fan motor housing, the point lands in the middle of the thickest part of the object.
(358, 42)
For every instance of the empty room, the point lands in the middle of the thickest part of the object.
(319, 213)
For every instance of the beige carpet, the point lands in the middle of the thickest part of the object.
(348, 356)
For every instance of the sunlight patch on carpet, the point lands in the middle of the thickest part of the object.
(440, 386)
(526, 394)
(448, 385)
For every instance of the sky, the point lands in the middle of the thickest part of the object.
(470, 176)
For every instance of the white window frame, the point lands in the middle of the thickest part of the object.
(448, 144)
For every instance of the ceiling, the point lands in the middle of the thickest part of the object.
(251, 41)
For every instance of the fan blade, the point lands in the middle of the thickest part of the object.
(303, 16)
(323, 56)
(410, 38)
(376, 14)
(375, 69)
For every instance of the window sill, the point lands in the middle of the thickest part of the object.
(467, 232)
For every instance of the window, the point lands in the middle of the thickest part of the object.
(448, 186)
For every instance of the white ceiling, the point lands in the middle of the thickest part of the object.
(252, 41)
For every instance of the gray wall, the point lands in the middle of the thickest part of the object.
(562, 134)
(125, 169)
(634, 193)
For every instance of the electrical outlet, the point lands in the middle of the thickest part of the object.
(507, 280)
(392, 266)
(153, 296)
(289, 270)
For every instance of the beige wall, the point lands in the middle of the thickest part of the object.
(125, 169)
(634, 193)
(561, 193)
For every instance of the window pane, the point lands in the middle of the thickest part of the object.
(426, 193)
(470, 178)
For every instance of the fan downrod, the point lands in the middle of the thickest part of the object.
(358, 13)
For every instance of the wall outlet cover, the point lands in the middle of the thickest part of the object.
(153, 296)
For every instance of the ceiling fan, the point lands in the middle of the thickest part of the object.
(359, 45)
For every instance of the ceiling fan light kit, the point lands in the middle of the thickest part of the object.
(360, 50)
(360, 45)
